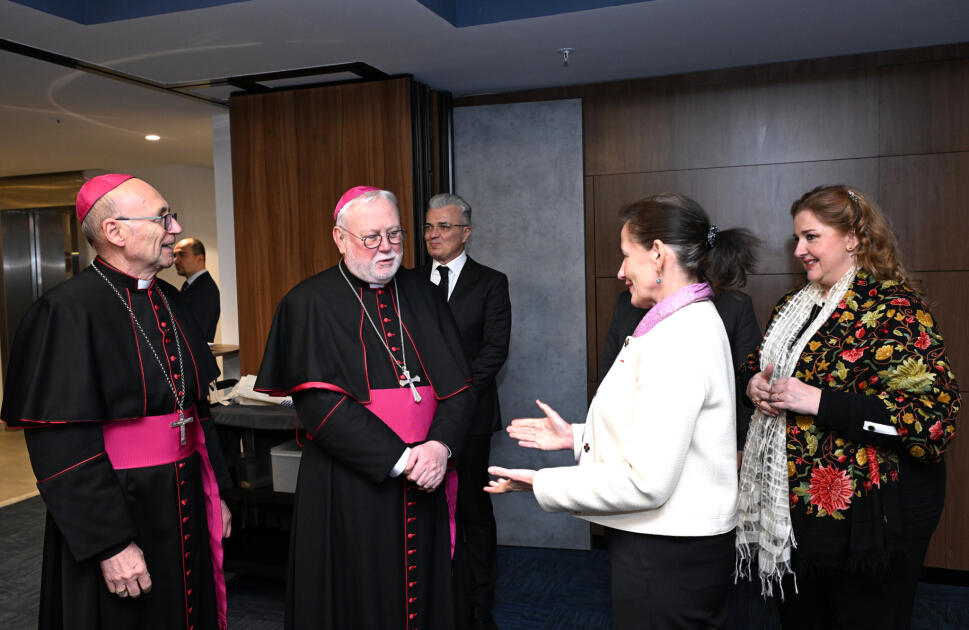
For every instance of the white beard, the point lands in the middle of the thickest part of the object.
(373, 271)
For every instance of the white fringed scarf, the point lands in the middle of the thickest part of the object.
(764, 525)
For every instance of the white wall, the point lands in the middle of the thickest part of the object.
(190, 191)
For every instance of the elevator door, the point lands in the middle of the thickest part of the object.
(39, 252)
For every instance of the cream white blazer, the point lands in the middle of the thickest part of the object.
(657, 453)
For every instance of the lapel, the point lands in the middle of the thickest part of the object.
(466, 281)
(194, 285)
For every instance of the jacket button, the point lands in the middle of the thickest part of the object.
(626, 342)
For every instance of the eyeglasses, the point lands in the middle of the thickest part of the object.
(444, 227)
(373, 241)
(166, 219)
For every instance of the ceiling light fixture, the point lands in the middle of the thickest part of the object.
(152, 137)
(565, 52)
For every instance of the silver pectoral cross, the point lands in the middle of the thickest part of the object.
(407, 379)
(180, 423)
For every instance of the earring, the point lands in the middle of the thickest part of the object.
(658, 280)
(851, 248)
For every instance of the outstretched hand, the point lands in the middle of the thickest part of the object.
(509, 480)
(550, 433)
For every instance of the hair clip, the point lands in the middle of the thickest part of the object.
(712, 234)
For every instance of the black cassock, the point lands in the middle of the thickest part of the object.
(368, 550)
(78, 361)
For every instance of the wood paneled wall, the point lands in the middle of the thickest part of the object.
(746, 143)
(293, 154)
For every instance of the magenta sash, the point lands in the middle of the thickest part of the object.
(151, 441)
(411, 422)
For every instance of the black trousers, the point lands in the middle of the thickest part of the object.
(476, 524)
(669, 581)
(844, 600)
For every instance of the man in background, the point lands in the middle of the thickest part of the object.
(199, 291)
(478, 299)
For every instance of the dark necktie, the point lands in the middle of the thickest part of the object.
(185, 286)
(442, 285)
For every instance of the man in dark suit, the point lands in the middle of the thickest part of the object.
(737, 312)
(478, 298)
(199, 291)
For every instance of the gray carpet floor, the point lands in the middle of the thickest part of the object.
(538, 589)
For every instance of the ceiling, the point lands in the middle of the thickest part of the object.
(54, 118)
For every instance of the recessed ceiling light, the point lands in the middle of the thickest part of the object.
(152, 137)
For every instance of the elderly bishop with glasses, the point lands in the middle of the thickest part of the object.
(107, 376)
(373, 361)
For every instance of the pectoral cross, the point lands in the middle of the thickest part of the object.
(180, 423)
(406, 379)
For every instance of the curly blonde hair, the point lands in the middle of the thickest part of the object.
(847, 209)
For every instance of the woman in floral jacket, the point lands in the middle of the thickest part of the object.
(843, 481)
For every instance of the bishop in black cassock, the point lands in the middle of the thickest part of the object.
(373, 362)
(98, 369)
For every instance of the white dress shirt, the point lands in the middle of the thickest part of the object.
(454, 270)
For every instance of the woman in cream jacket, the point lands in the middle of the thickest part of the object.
(656, 457)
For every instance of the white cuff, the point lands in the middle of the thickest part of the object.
(884, 429)
(401, 464)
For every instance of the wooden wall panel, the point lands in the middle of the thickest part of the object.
(947, 297)
(265, 192)
(754, 197)
(660, 124)
(769, 121)
(924, 108)
(632, 123)
(293, 154)
(947, 293)
(926, 197)
(949, 548)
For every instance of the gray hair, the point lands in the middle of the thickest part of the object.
(447, 199)
(103, 208)
(366, 198)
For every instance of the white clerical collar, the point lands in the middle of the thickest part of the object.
(143, 284)
(192, 278)
(455, 266)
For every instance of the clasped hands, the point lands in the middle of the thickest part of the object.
(426, 465)
(784, 394)
(550, 433)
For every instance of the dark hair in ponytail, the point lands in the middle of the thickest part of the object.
(722, 258)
